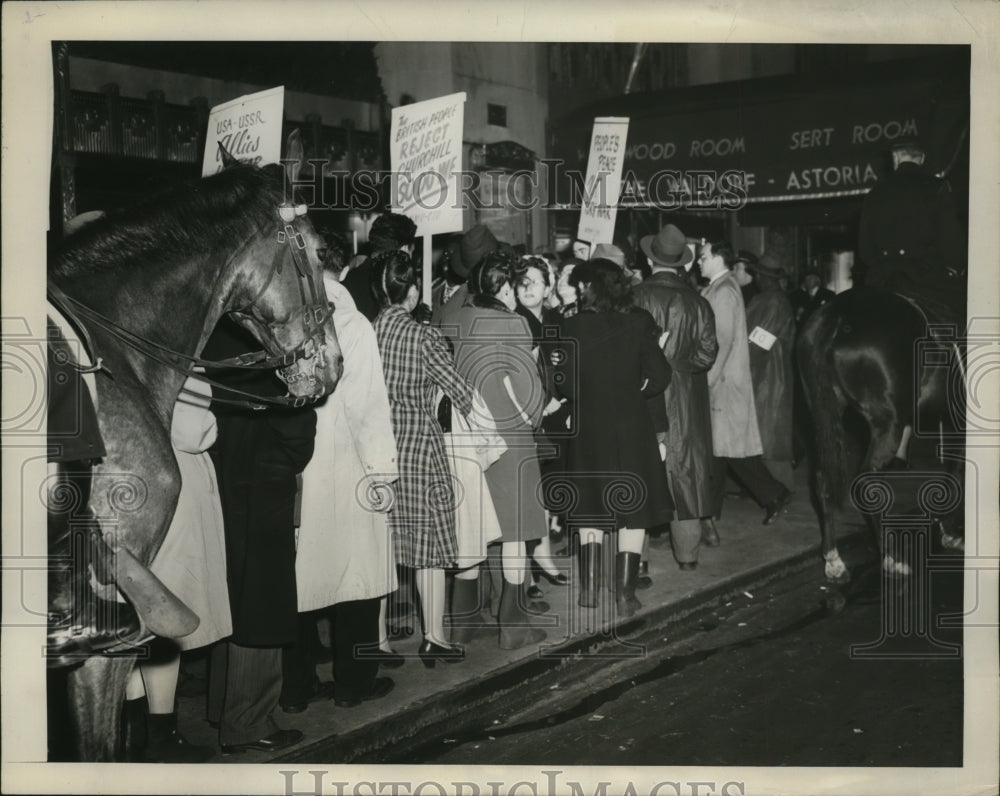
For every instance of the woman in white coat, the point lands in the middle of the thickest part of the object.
(344, 557)
(191, 562)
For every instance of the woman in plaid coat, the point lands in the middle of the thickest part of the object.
(416, 362)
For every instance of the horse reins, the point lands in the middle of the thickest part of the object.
(314, 316)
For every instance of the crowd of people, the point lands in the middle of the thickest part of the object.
(542, 409)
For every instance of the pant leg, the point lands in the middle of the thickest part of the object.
(253, 687)
(217, 666)
(685, 538)
(782, 470)
(755, 476)
(355, 625)
(717, 487)
(298, 681)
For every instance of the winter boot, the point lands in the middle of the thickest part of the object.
(466, 618)
(515, 623)
(494, 563)
(709, 533)
(644, 581)
(165, 745)
(590, 574)
(134, 729)
(80, 623)
(626, 575)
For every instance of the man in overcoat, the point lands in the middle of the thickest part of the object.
(771, 327)
(258, 456)
(735, 434)
(690, 347)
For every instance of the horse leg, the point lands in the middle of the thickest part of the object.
(835, 569)
(887, 434)
(886, 429)
(96, 696)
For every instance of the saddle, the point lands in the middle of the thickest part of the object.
(80, 622)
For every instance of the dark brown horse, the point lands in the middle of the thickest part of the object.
(150, 283)
(866, 352)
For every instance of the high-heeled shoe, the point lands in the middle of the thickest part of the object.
(430, 652)
(559, 579)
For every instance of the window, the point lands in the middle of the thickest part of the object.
(496, 115)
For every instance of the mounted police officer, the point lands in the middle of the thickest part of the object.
(911, 243)
(910, 239)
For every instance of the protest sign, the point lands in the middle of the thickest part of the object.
(599, 207)
(249, 127)
(425, 145)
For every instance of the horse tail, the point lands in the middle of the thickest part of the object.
(825, 400)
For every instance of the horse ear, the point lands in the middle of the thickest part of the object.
(294, 156)
(227, 159)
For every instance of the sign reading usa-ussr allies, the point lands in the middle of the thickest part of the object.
(425, 146)
(599, 205)
(249, 127)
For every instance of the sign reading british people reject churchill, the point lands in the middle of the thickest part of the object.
(249, 127)
(425, 145)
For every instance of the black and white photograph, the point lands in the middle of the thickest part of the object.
(520, 398)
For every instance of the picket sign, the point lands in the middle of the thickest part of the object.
(249, 127)
(599, 207)
(425, 149)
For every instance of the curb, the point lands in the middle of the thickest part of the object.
(448, 713)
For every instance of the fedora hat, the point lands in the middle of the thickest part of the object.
(769, 265)
(608, 251)
(667, 248)
(475, 244)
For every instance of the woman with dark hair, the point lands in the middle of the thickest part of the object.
(493, 351)
(565, 289)
(534, 287)
(613, 463)
(416, 361)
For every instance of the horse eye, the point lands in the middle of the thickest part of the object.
(321, 253)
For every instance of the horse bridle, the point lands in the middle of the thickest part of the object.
(314, 313)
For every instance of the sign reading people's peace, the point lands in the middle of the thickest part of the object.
(425, 146)
(249, 127)
(599, 207)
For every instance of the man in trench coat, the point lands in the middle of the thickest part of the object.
(690, 348)
(771, 326)
(257, 456)
(735, 434)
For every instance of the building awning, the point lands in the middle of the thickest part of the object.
(777, 139)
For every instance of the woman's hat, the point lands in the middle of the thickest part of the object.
(668, 248)
(475, 244)
(608, 251)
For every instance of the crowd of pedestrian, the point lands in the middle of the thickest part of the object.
(541, 410)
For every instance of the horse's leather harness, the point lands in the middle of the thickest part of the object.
(314, 315)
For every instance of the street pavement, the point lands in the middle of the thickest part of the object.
(434, 702)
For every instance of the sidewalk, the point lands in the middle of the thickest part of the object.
(750, 553)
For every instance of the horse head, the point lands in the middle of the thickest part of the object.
(288, 310)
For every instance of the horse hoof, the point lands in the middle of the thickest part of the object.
(835, 602)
